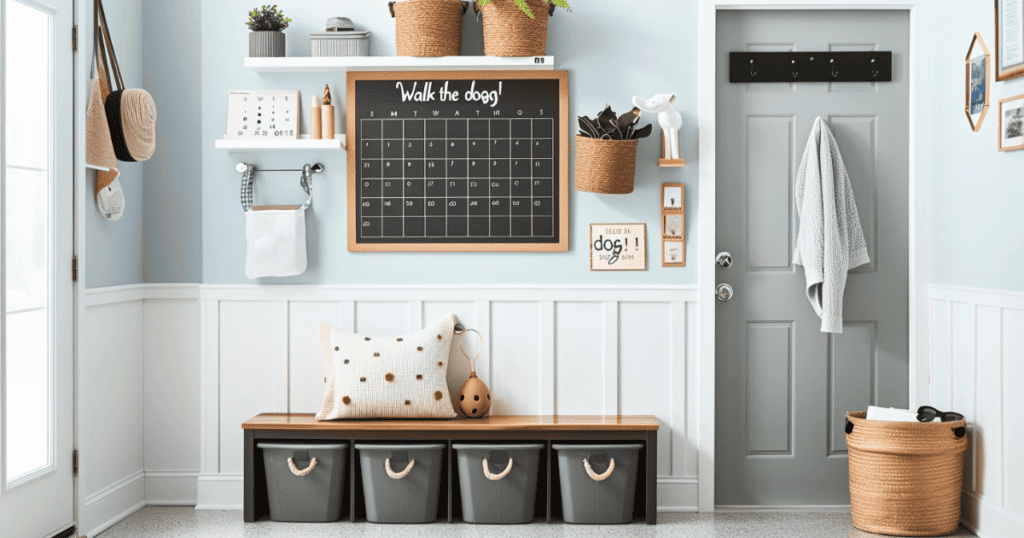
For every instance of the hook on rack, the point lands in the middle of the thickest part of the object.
(793, 61)
(752, 72)
(833, 67)
(874, 72)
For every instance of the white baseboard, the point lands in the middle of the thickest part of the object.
(112, 504)
(172, 488)
(220, 492)
(677, 494)
(831, 508)
(987, 521)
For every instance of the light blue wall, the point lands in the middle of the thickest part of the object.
(114, 249)
(612, 51)
(977, 192)
(172, 233)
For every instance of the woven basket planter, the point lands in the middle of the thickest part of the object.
(605, 166)
(905, 477)
(509, 32)
(428, 28)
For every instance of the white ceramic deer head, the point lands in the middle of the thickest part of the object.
(670, 120)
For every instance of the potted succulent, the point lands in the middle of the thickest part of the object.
(516, 27)
(428, 27)
(267, 36)
(606, 151)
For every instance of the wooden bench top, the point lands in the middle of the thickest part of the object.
(294, 421)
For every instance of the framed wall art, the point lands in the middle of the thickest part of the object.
(978, 66)
(1009, 39)
(1011, 123)
(618, 247)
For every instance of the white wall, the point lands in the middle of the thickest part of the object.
(976, 349)
(564, 350)
(138, 407)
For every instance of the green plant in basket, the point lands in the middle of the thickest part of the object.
(609, 126)
(267, 18)
(526, 8)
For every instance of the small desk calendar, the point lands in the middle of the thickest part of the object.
(263, 114)
(458, 161)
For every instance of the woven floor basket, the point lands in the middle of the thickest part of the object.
(905, 478)
(509, 32)
(605, 166)
(429, 27)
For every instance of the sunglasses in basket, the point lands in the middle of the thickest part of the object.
(927, 413)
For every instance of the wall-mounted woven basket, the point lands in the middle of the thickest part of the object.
(428, 28)
(605, 166)
(510, 32)
(905, 477)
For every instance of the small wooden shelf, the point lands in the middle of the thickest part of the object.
(282, 144)
(671, 163)
(306, 64)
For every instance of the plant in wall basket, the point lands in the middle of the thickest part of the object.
(516, 27)
(267, 36)
(606, 151)
(428, 28)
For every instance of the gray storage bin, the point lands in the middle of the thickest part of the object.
(605, 498)
(299, 489)
(492, 495)
(346, 43)
(401, 483)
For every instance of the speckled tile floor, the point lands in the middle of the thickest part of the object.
(185, 522)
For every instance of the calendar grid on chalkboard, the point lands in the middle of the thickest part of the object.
(458, 176)
(413, 191)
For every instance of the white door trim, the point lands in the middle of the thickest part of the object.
(919, 210)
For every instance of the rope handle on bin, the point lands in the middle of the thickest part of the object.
(301, 472)
(401, 475)
(599, 477)
(499, 476)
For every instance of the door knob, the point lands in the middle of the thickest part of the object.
(724, 260)
(724, 292)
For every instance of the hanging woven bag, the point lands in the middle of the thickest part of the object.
(131, 112)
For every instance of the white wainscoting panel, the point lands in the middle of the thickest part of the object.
(977, 369)
(110, 409)
(565, 350)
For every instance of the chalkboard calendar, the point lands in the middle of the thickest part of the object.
(458, 161)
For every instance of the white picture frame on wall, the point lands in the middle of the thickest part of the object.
(1011, 123)
(1009, 39)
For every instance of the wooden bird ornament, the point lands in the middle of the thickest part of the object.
(474, 397)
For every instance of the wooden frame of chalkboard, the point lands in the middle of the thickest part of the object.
(376, 227)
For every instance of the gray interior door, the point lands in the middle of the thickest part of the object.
(783, 387)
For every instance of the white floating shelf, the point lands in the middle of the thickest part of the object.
(395, 63)
(283, 144)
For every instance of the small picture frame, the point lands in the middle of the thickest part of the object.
(979, 68)
(673, 226)
(618, 247)
(1011, 123)
(673, 253)
(672, 196)
(1009, 39)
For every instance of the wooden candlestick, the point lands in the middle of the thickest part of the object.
(315, 120)
(327, 115)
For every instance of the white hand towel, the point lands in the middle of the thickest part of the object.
(831, 240)
(276, 242)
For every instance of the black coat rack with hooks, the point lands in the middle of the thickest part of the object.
(859, 66)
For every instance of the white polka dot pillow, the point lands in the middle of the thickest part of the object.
(392, 377)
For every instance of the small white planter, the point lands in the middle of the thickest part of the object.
(266, 44)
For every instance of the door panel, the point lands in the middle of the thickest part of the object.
(36, 482)
(782, 386)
